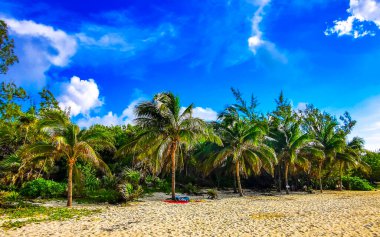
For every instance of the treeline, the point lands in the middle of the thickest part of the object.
(284, 149)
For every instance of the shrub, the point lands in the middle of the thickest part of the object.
(43, 188)
(164, 186)
(133, 176)
(356, 183)
(190, 189)
(212, 194)
(130, 192)
(104, 195)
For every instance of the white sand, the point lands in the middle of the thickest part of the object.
(327, 214)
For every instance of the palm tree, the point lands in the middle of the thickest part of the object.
(350, 156)
(165, 128)
(326, 131)
(66, 140)
(243, 146)
(291, 141)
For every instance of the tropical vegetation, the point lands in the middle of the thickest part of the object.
(45, 154)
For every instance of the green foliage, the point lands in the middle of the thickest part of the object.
(356, 183)
(104, 195)
(373, 161)
(130, 188)
(212, 194)
(190, 189)
(7, 56)
(43, 188)
(21, 215)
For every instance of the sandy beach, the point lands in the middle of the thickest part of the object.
(327, 214)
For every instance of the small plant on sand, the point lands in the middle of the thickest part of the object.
(212, 194)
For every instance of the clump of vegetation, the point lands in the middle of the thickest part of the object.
(43, 188)
(36, 214)
(130, 188)
(356, 183)
(191, 189)
(212, 194)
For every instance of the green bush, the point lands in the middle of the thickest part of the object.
(104, 195)
(356, 183)
(43, 188)
(164, 186)
(190, 189)
(132, 176)
(212, 194)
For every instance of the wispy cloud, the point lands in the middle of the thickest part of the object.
(256, 40)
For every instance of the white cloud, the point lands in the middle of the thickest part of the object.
(360, 11)
(80, 96)
(64, 44)
(255, 41)
(367, 115)
(206, 114)
(38, 47)
(112, 119)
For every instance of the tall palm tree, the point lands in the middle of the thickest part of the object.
(166, 127)
(66, 140)
(291, 141)
(242, 145)
(350, 156)
(327, 132)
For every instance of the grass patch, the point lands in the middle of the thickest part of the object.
(24, 214)
(267, 215)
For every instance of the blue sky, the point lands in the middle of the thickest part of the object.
(102, 58)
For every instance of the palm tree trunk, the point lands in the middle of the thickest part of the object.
(340, 176)
(26, 135)
(173, 151)
(235, 190)
(320, 176)
(279, 177)
(70, 185)
(286, 177)
(238, 179)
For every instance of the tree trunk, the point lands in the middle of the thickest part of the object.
(320, 176)
(173, 151)
(235, 190)
(238, 179)
(279, 177)
(340, 176)
(286, 177)
(70, 184)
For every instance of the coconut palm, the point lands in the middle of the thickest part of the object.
(350, 156)
(291, 141)
(67, 141)
(165, 129)
(242, 145)
(327, 132)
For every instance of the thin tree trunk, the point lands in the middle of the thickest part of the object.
(70, 185)
(26, 135)
(340, 176)
(173, 151)
(279, 177)
(320, 176)
(238, 179)
(286, 177)
(235, 190)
